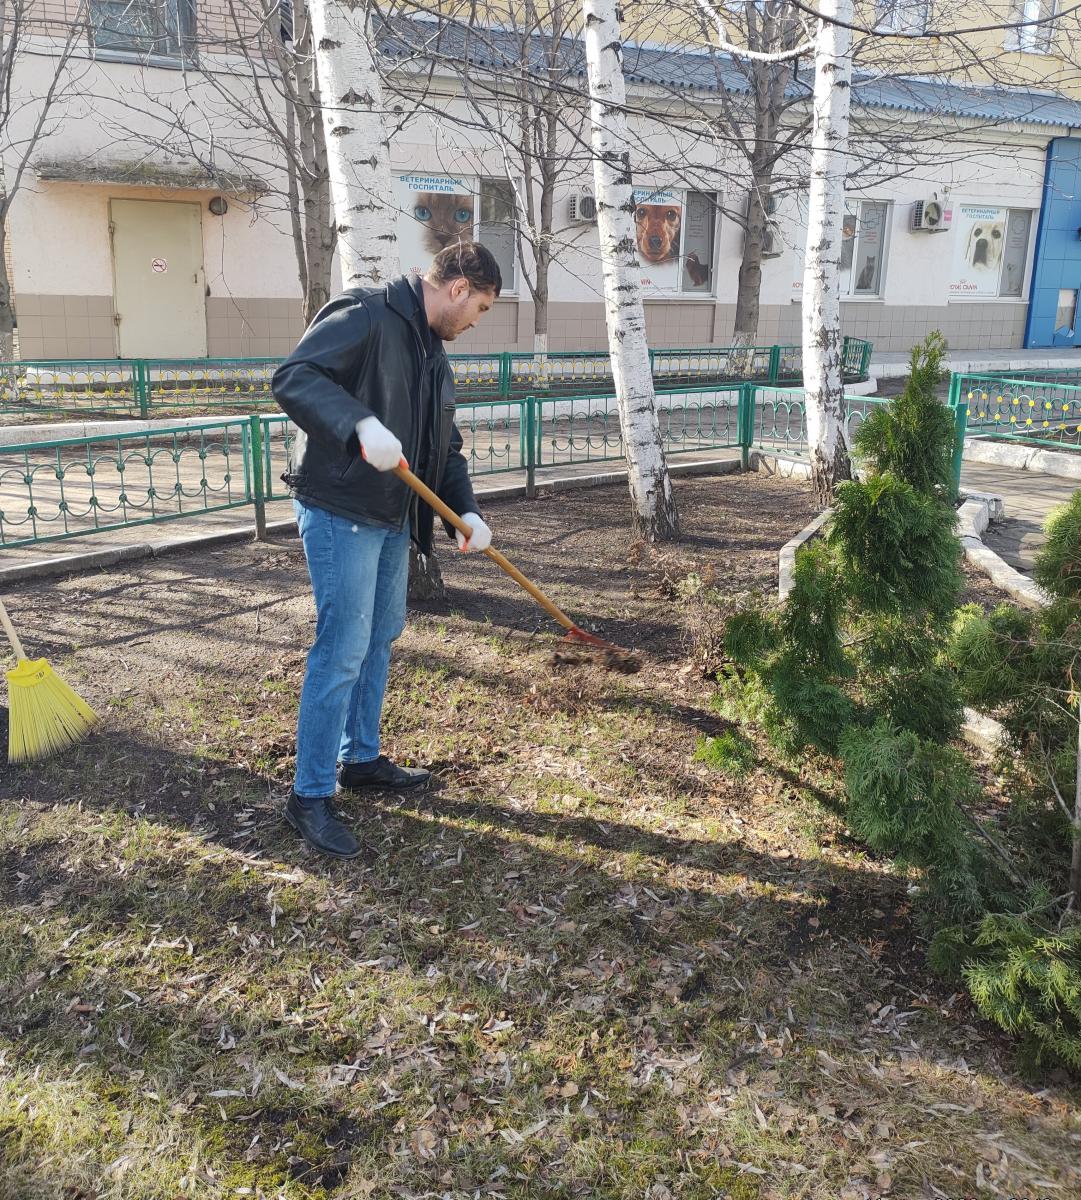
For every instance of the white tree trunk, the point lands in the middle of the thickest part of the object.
(358, 152)
(822, 379)
(653, 505)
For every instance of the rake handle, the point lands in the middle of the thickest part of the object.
(13, 637)
(448, 514)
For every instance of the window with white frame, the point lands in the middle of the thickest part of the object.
(864, 245)
(1032, 26)
(496, 228)
(902, 16)
(148, 29)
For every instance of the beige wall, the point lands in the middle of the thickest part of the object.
(66, 326)
(253, 327)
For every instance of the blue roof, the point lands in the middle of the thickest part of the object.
(703, 72)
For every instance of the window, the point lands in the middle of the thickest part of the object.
(1032, 39)
(436, 210)
(496, 227)
(676, 234)
(285, 21)
(902, 16)
(990, 249)
(159, 29)
(864, 244)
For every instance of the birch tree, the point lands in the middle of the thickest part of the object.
(358, 149)
(653, 504)
(822, 376)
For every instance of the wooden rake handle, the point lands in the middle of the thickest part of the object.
(448, 514)
(13, 637)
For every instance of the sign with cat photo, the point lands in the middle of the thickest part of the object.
(435, 211)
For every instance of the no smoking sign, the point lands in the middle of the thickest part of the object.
(159, 266)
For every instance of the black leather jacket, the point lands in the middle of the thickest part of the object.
(370, 352)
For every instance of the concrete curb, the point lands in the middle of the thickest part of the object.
(977, 512)
(776, 464)
(16, 435)
(1019, 587)
(974, 366)
(1023, 458)
(786, 559)
(90, 560)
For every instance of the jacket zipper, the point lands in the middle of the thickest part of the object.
(410, 497)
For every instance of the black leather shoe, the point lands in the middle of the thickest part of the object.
(318, 825)
(381, 773)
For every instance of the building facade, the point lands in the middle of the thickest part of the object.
(122, 246)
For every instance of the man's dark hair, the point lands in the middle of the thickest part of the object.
(469, 261)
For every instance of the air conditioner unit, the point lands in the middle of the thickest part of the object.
(771, 239)
(582, 209)
(931, 216)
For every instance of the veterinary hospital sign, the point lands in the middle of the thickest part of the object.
(989, 252)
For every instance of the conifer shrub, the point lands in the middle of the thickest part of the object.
(853, 664)
(729, 752)
(1023, 967)
(869, 660)
(1026, 977)
(865, 661)
(913, 440)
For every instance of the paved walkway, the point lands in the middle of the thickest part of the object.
(894, 364)
(1029, 496)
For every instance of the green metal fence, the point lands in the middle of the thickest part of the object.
(142, 387)
(1046, 412)
(103, 386)
(75, 486)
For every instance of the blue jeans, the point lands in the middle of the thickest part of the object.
(359, 574)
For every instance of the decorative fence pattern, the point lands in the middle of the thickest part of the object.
(1043, 411)
(72, 487)
(143, 387)
(75, 486)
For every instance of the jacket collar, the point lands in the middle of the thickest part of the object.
(406, 297)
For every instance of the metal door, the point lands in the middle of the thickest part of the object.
(159, 287)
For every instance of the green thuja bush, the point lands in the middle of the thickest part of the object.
(854, 665)
(868, 661)
(913, 440)
(1024, 975)
(1024, 968)
(729, 752)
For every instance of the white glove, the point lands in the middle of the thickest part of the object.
(479, 539)
(381, 449)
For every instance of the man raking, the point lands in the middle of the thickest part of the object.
(368, 384)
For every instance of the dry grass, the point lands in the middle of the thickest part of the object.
(587, 965)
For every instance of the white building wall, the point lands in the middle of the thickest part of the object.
(63, 265)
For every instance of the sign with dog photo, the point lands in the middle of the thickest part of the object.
(674, 232)
(990, 251)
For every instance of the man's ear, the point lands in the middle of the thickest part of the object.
(459, 288)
